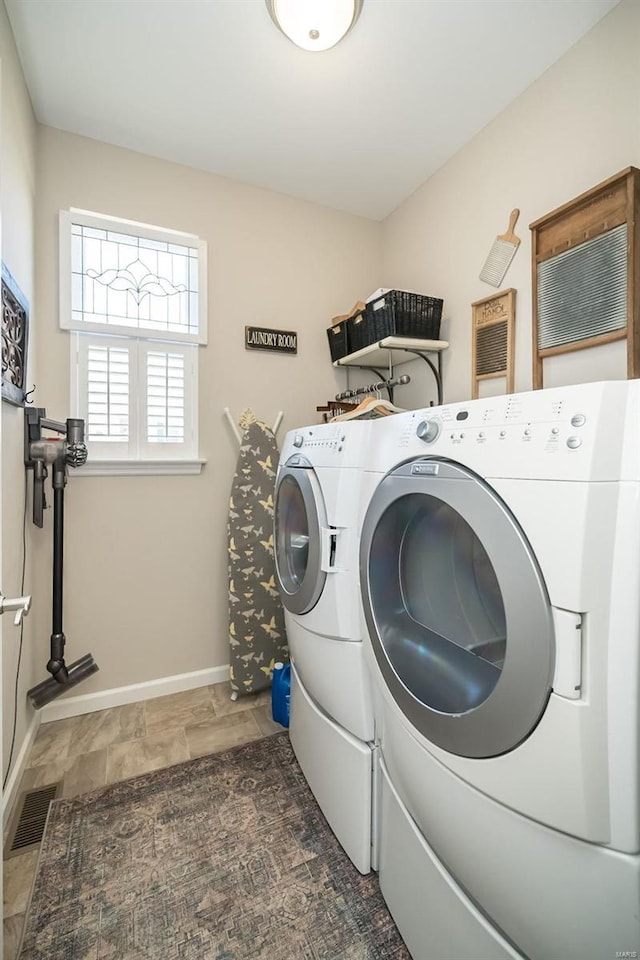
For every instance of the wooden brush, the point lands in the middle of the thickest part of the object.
(501, 254)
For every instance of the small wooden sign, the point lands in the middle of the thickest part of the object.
(262, 338)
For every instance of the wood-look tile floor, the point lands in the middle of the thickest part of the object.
(90, 751)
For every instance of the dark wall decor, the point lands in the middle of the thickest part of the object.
(262, 338)
(15, 331)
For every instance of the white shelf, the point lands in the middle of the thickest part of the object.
(390, 352)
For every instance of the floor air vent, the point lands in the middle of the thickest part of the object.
(27, 829)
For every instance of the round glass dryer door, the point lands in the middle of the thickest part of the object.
(457, 610)
(298, 519)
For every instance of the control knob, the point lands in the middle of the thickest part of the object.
(428, 430)
(298, 440)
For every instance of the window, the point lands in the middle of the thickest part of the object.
(134, 298)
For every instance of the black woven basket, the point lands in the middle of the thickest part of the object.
(402, 314)
(359, 331)
(338, 340)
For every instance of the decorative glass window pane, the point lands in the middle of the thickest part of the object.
(123, 280)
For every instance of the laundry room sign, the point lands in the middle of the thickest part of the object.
(262, 338)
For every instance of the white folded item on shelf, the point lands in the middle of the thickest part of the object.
(377, 293)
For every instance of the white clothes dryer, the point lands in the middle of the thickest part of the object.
(316, 540)
(500, 562)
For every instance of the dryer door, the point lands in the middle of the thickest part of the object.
(299, 518)
(457, 609)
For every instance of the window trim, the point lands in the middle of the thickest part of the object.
(149, 232)
(137, 456)
(140, 468)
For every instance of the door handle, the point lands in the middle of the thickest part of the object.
(21, 605)
(329, 546)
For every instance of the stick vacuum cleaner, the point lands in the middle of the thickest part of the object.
(40, 453)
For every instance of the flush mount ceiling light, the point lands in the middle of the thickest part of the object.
(314, 24)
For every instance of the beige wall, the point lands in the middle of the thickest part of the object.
(17, 198)
(145, 565)
(575, 126)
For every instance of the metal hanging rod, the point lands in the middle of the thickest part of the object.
(374, 387)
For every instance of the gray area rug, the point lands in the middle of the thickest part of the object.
(227, 857)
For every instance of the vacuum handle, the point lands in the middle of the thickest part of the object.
(58, 546)
(21, 605)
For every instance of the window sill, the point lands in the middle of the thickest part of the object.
(139, 468)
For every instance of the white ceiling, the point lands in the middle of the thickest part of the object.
(213, 84)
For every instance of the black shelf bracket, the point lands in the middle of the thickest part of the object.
(436, 370)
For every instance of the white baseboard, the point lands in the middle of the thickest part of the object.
(10, 791)
(116, 697)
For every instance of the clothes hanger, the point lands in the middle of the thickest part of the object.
(388, 407)
(370, 407)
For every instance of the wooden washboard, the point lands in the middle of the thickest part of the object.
(492, 339)
(586, 273)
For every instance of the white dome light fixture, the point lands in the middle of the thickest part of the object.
(314, 24)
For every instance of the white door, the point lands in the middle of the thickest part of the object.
(458, 613)
(300, 524)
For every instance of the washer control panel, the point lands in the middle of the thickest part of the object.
(329, 444)
(575, 432)
(481, 423)
(313, 437)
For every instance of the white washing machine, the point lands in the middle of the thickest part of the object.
(500, 571)
(317, 514)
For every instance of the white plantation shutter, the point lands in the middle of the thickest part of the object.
(165, 397)
(137, 397)
(107, 394)
(103, 386)
(168, 408)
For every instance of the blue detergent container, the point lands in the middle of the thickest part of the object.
(281, 693)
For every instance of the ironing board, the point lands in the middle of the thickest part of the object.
(257, 637)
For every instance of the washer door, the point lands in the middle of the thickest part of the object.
(457, 609)
(299, 518)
